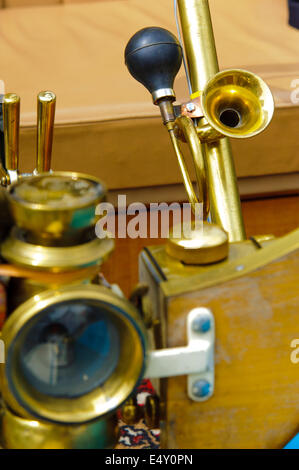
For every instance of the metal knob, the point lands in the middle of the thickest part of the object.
(203, 245)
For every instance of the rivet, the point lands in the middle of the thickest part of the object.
(201, 324)
(201, 388)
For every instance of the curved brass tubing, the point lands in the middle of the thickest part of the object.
(186, 127)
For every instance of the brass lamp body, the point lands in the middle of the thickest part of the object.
(55, 257)
(19, 428)
(62, 274)
(75, 348)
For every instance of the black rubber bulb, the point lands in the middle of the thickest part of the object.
(153, 57)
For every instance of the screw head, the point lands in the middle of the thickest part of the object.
(240, 268)
(190, 107)
(201, 324)
(201, 388)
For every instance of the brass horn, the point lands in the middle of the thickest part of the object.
(237, 103)
(231, 103)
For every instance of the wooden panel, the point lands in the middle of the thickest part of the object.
(277, 216)
(255, 404)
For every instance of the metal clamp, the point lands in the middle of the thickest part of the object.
(195, 360)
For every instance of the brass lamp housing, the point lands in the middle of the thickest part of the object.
(30, 403)
(20, 433)
(55, 219)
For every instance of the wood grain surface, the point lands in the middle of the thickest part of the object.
(255, 403)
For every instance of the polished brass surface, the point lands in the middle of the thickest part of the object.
(27, 402)
(199, 42)
(166, 110)
(131, 411)
(225, 205)
(4, 178)
(187, 128)
(244, 257)
(55, 259)
(237, 103)
(20, 433)
(174, 269)
(203, 65)
(56, 208)
(25, 283)
(182, 164)
(11, 124)
(152, 411)
(46, 103)
(207, 244)
(207, 133)
(48, 277)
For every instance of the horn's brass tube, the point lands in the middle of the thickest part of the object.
(225, 207)
(181, 161)
(11, 121)
(186, 126)
(46, 102)
(203, 64)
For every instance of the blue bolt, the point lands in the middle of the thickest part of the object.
(201, 388)
(201, 324)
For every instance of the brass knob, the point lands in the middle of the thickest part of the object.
(152, 411)
(131, 412)
(206, 244)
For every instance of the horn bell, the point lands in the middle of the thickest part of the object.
(237, 103)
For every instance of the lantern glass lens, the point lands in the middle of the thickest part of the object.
(70, 350)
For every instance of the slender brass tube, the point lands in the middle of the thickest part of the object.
(203, 65)
(46, 102)
(186, 126)
(11, 122)
(182, 164)
(224, 195)
(198, 41)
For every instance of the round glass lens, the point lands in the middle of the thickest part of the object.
(70, 350)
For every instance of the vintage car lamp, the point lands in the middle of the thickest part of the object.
(75, 348)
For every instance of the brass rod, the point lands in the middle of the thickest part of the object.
(46, 102)
(186, 179)
(186, 127)
(225, 203)
(199, 42)
(11, 124)
(202, 62)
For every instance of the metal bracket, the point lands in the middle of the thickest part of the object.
(195, 360)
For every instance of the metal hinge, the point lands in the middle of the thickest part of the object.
(195, 360)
